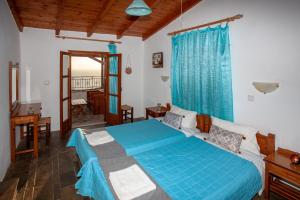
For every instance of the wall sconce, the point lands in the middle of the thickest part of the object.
(164, 78)
(265, 87)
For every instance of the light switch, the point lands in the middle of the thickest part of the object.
(251, 98)
(46, 82)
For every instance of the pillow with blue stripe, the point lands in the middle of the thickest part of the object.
(173, 119)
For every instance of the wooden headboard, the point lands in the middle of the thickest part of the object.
(203, 123)
(266, 142)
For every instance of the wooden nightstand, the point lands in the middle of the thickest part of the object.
(127, 110)
(278, 169)
(156, 111)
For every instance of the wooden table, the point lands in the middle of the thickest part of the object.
(21, 115)
(156, 111)
(279, 168)
(77, 106)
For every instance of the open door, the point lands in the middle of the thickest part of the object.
(65, 93)
(113, 89)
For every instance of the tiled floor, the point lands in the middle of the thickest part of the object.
(87, 119)
(50, 177)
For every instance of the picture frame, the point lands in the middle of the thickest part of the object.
(157, 60)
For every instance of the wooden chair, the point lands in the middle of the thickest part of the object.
(127, 110)
(44, 128)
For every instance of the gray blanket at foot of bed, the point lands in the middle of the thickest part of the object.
(109, 150)
(115, 164)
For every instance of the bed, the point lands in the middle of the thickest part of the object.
(134, 138)
(130, 138)
(202, 163)
(179, 170)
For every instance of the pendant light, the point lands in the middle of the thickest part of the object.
(138, 8)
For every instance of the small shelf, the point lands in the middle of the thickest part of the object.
(280, 187)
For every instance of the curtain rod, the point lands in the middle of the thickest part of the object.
(229, 19)
(79, 38)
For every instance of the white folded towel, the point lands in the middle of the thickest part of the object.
(100, 137)
(131, 182)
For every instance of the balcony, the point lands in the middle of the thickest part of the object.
(82, 83)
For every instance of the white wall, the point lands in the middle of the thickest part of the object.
(40, 55)
(9, 51)
(264, 46)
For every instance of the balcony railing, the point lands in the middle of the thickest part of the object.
(87, 82)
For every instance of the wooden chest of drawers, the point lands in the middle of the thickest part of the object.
(96, 101)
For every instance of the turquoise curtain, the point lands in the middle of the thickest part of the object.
(113, 80)
(201, 72)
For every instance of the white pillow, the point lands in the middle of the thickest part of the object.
(250, 143)
(190, 131)
(189, 119)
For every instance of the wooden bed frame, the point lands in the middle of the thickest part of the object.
(266, 142)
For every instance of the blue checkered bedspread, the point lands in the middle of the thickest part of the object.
(84, 151)
(134, 138)
(144, 135)
(194, 169)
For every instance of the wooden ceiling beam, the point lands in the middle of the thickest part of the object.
(16, 14)
(150, 3)
(59, 16)
(107, 4)
(169, 18)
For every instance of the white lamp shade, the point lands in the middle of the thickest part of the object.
(265, 87)
(164, 78)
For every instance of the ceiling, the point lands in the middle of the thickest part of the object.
(96, 16)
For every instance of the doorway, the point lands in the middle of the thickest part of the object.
(90, 89)
(87, 96)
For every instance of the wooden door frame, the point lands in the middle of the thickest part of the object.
(61, 92)
(119, 95)
(75, 53)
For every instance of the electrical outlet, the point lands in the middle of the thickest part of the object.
(251, 98)
(46, 82)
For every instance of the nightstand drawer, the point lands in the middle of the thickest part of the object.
(284, 174)
(151, 113)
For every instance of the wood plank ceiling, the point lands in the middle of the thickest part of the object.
(96, 16)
